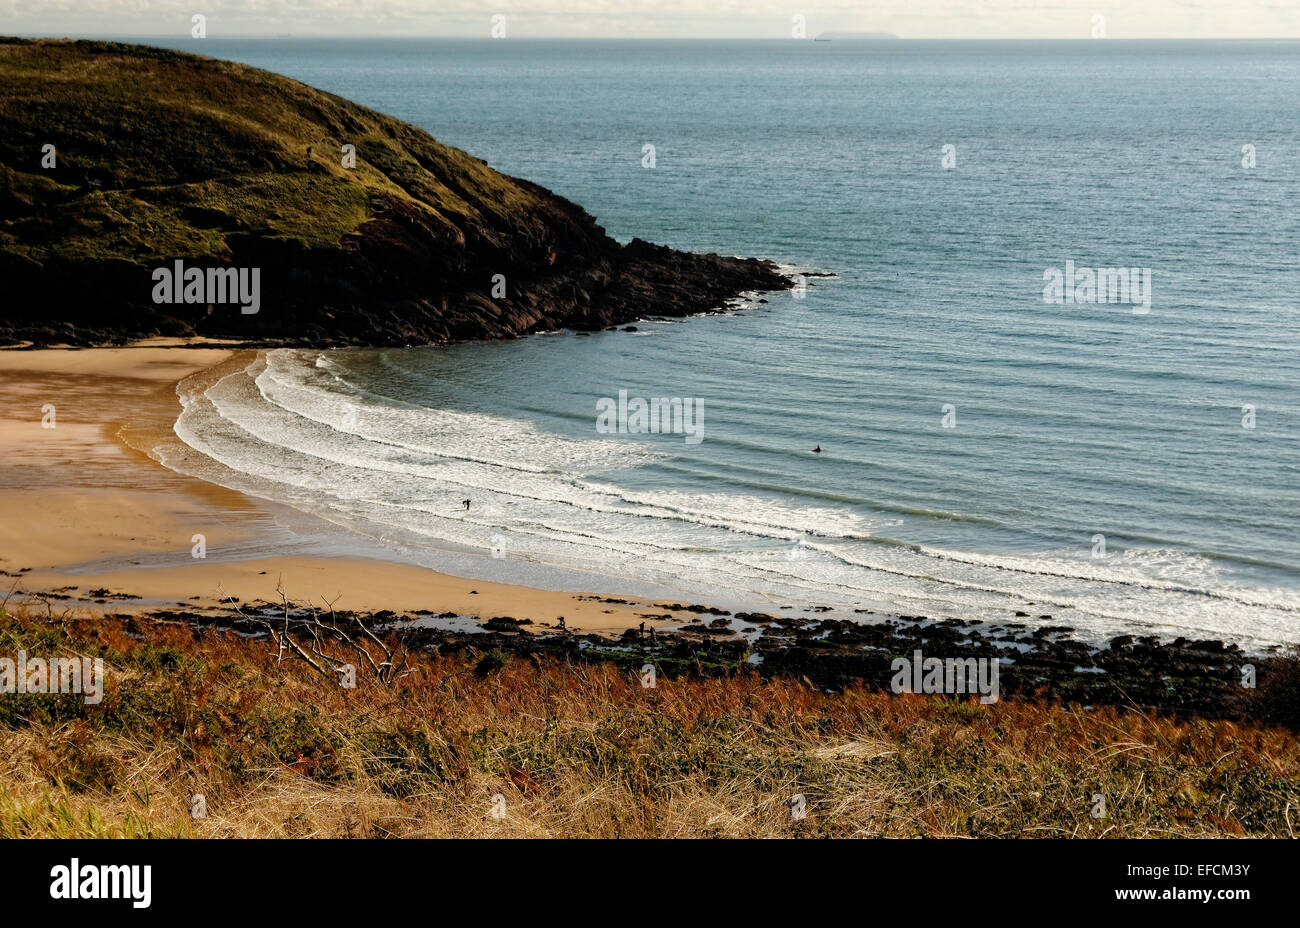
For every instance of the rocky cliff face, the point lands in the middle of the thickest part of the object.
(118, 161)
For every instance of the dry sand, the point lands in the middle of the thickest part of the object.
(86, 509)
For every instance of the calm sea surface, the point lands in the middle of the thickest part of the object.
(1078, 429)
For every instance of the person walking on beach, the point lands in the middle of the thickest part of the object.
(466, 502)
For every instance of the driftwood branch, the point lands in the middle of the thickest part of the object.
(321, 645)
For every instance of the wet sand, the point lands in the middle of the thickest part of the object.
(89, 516)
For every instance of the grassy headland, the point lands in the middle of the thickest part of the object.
(160, 156)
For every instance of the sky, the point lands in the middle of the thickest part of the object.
(1062, 19)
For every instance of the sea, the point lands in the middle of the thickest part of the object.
(994, 446)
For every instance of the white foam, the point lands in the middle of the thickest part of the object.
(292, 427)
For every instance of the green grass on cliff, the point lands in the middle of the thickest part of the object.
(162, 154)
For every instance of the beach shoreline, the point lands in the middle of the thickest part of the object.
(93, 520)
(98, 526)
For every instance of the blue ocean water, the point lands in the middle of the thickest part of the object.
(1098, 468)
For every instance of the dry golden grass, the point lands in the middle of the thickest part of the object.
(584, 750)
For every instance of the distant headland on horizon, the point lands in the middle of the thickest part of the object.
(854, 36)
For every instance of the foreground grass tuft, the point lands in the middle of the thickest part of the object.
(211, 722)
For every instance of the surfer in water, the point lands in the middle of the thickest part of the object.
(817, 450)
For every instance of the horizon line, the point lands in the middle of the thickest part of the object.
(882, 39)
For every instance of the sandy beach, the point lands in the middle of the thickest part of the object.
(93, 520)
